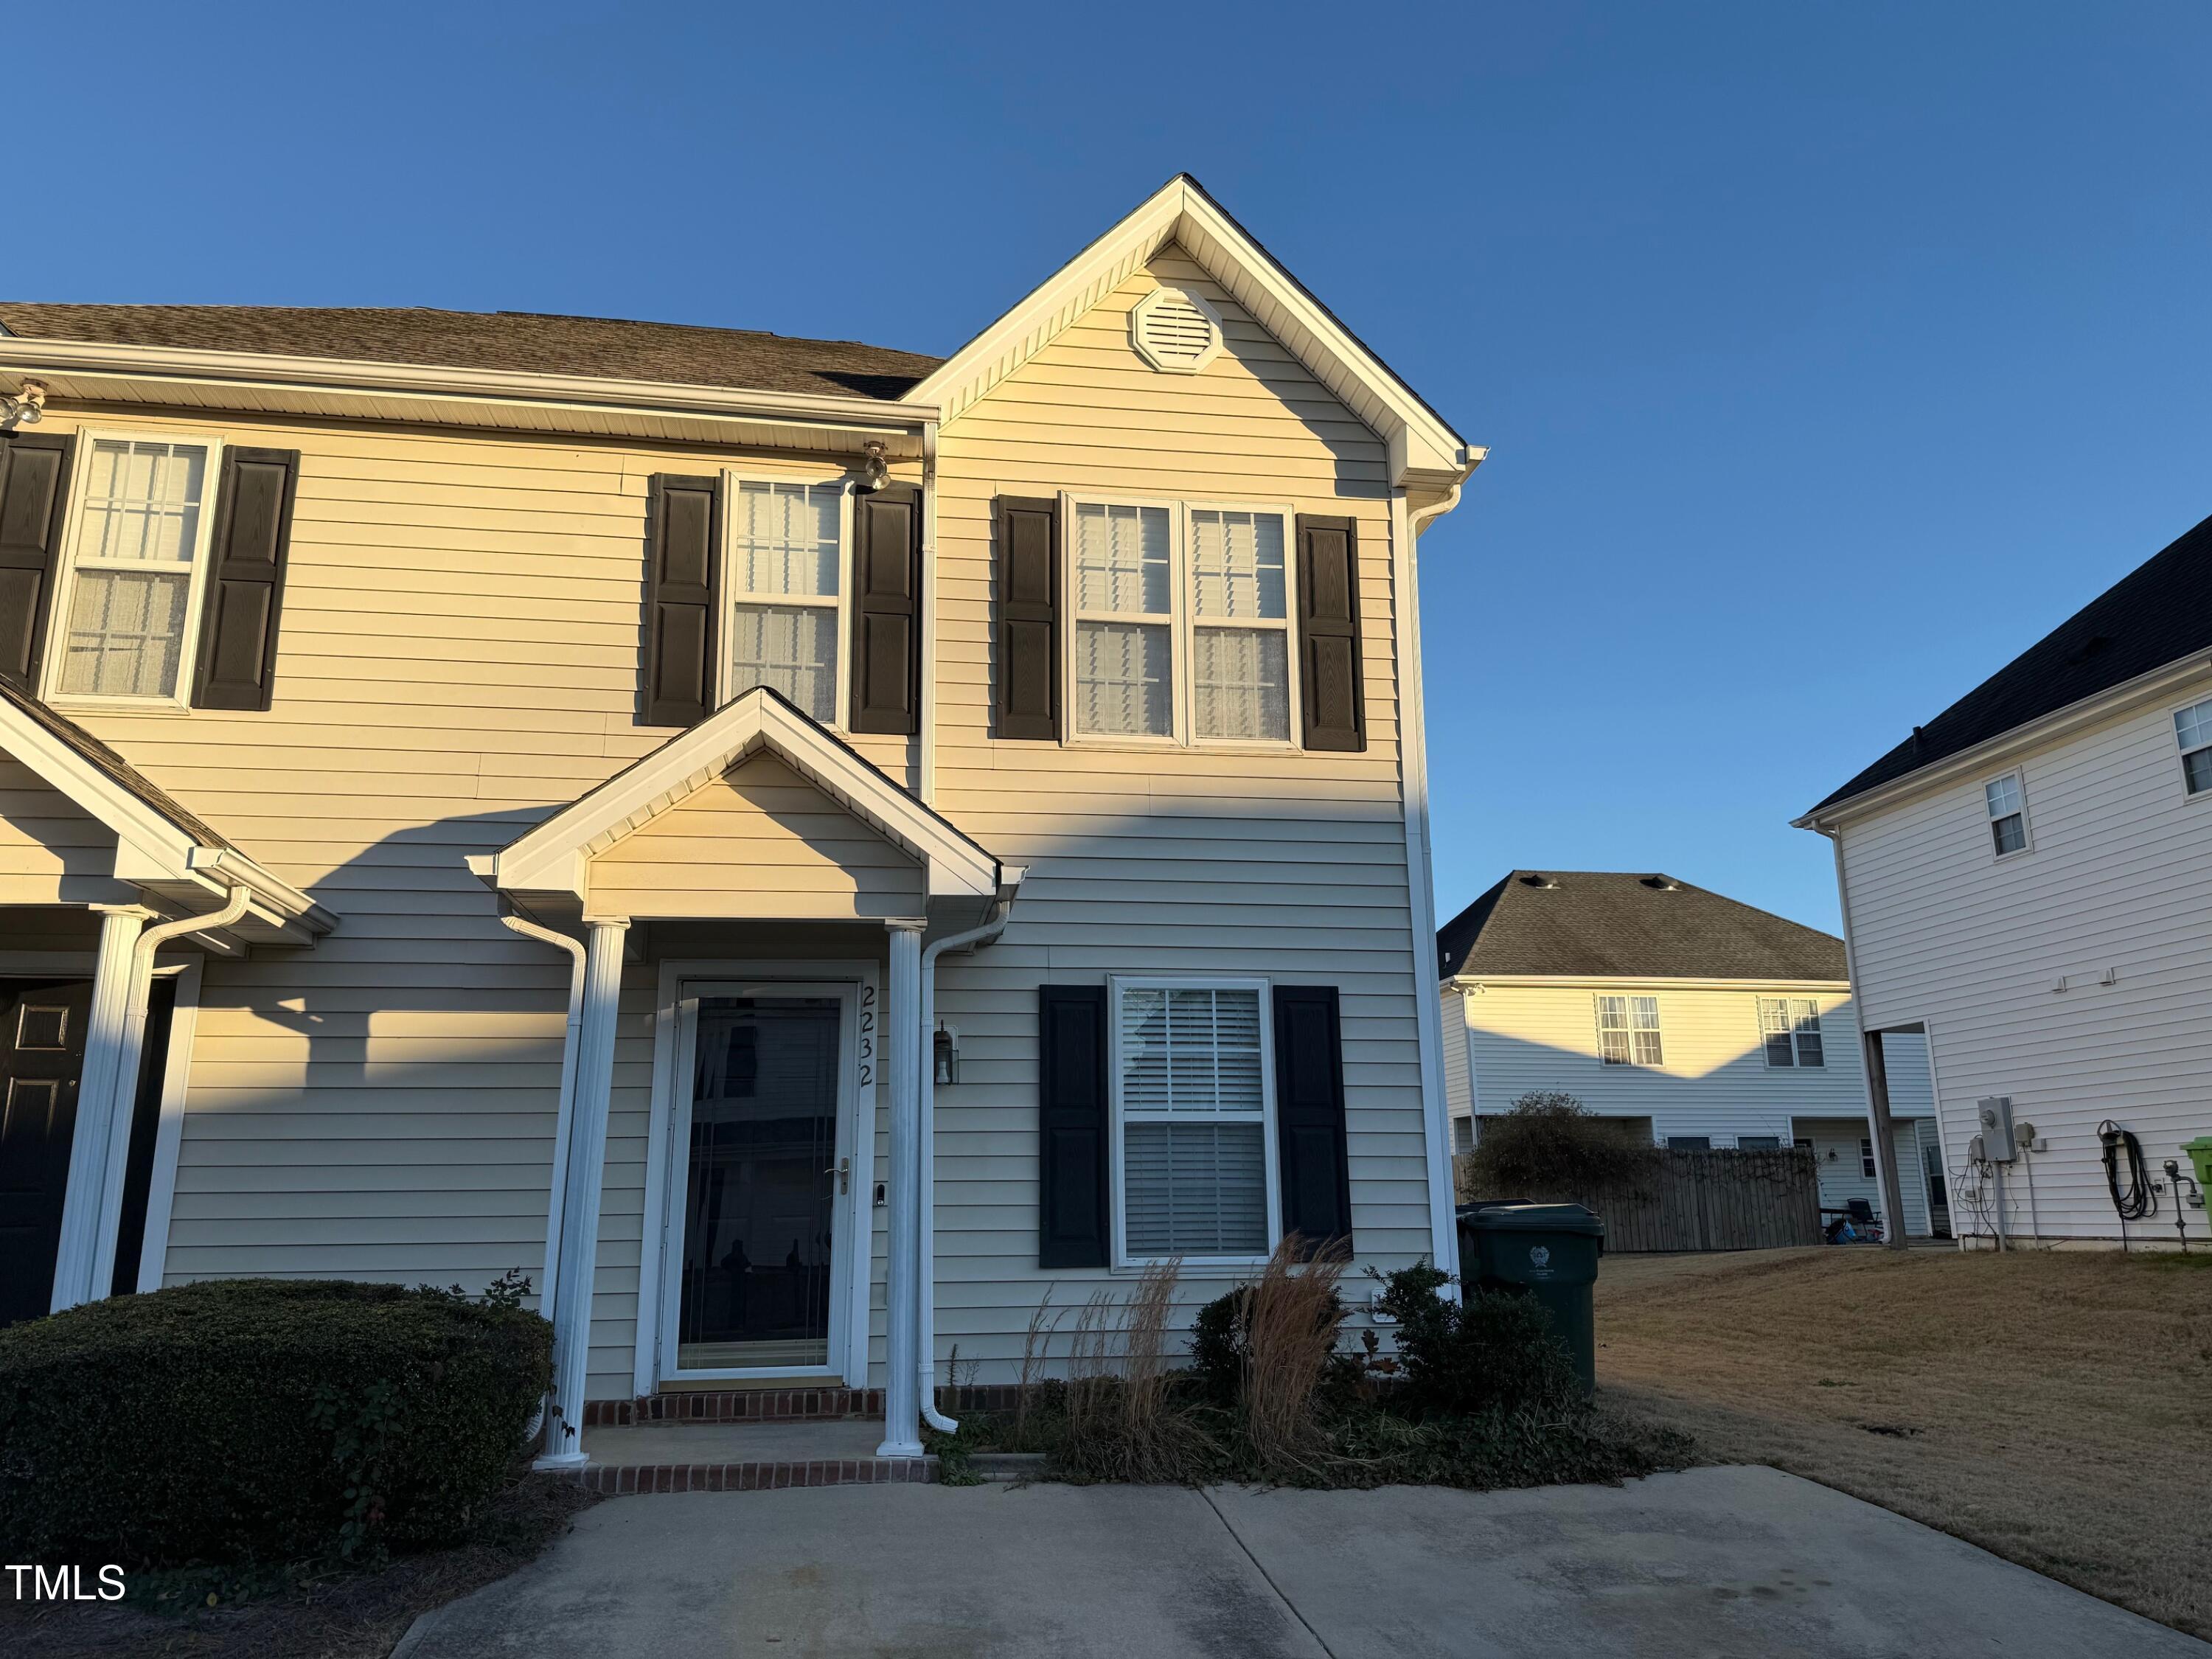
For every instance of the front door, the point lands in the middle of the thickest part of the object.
(764, 1163)
(41, 1063)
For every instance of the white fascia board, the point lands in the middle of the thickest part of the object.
(555, 857)
(229, 379)
(2159, 683)
(1423, 449)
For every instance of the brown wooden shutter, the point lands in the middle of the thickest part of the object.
(35, 474)
(245, 578)
(1334, 700)
(887, 610)
(682, 542)
(1310, 1118)
(1072, 1111)
(1029, 625)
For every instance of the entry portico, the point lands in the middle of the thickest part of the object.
(770, 884)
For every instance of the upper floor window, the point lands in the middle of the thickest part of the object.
(133, 576)
(2192, 730)
(1191, 1092)
(1791, 1028)
(1628, 1030)
(2007, 809)
(1183, 628)
(787, 579)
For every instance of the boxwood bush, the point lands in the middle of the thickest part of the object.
(261, 1419)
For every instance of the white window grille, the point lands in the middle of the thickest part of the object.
(2008, 813)
(1628, 1030)
(1191, 1084)
(1790, 1028)
(785, 579)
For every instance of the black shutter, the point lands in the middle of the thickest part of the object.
(682, 536)
(887, 610)
(1029, 628)
(245, 578)
(1334, 703)
(1071, 1123)
(1310, 1117)
(34, 472)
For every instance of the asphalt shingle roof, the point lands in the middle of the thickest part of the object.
(2158, 614)
(105, 760)
(520, 341)
(1618, 924)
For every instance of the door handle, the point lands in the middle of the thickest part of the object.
(844, 1174)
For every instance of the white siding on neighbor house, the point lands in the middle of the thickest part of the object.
(2119, 878)
(1836, 1143)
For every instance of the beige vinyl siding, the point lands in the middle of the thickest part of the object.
(1459, 1080)
(51, 849)
(2118, 877)
(1284, 863)
(761, 840)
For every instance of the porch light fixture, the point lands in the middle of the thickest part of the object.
(26, 408)
(945, 1052)
(875, 471)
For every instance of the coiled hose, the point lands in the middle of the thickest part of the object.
(2140, 1198)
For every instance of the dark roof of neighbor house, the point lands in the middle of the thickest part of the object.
(2158, 614)
(107, 760)
(1622, 925)
(521, 341)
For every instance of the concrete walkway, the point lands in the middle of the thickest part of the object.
(1712, 1562)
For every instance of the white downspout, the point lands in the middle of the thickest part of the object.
(565, 1109)
(925, 712)
(926, 1206)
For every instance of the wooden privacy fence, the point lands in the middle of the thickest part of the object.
(1722, 1199)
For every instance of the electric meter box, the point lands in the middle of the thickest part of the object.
(1994, 1114)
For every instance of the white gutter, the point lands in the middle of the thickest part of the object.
(926, 1208)
(570, 1038)
(925, 710)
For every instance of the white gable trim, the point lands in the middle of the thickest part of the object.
(1424, 450)
(554, 858)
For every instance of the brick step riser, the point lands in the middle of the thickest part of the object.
(778, 1406)
(629, 1479)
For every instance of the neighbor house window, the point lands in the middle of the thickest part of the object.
(1791, 1028)
(2008, 813)
(1191, 1075)
(1866, 1156)
(1462, 1135)
(2192, 729)
(1689, 1143)
(1628, 1030)
(128, 612)
(1181, 623)
(787, 581)
(1759, 1143)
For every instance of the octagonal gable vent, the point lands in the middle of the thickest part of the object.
(1175, 332)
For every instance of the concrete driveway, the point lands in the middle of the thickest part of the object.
(1707, 1562)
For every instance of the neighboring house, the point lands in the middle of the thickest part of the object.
(383, 684)
(1697, 1020)
(2026, 878)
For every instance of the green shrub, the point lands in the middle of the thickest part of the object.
(260, 1419)
(1220, 1350)
(1549, 1146)
(1490, 1351)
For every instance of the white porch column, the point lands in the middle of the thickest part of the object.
(902, 1030)
(106, 1040)
(579, 1200)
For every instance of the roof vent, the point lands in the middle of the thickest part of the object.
(1537, 879)
(1175, 330)
(1663, 884)
(2088, 649)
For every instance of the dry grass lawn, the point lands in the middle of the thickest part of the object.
(2054, 1409)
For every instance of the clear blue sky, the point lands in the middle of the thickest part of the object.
(1827, 354)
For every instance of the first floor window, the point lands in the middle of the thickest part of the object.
(1866, 1156)
(2192, 729)
(2008, 813)
(1790, 1028)
(786, 567)
(1181, 623)
(1462, 1135)
(134, 568)
(1190, 1089)
(1759, 1143)
(1690, 1142)
(1628, 1030)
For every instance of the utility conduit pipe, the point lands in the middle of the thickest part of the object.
(926, 1206)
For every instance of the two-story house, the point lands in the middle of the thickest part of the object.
(1690, 1017)
(2026, 879)
(806, 849)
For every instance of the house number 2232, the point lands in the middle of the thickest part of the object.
(867, 1035)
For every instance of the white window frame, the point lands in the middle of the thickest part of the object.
(2174, 725)
(1115, 985)
(1182, 623)
(1658, 1030)
(1868, 1170)
(726, 688)
(1796, 1049)
(63, 604)
(1991, 820)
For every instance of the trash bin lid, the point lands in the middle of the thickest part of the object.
(2203, 1143)
(1536, 1219)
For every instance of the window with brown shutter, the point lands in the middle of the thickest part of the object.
(1028, 532)
(683, 560)
(887, 610)
(1332, 699)
(245, 578)
(35, 474)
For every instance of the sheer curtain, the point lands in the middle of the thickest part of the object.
(784, 549)
(134, 568)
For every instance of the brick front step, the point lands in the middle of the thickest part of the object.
(776, 1405)
(615, 1480)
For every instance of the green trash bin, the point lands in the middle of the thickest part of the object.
(2199, 1151)
(1548, 1251)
